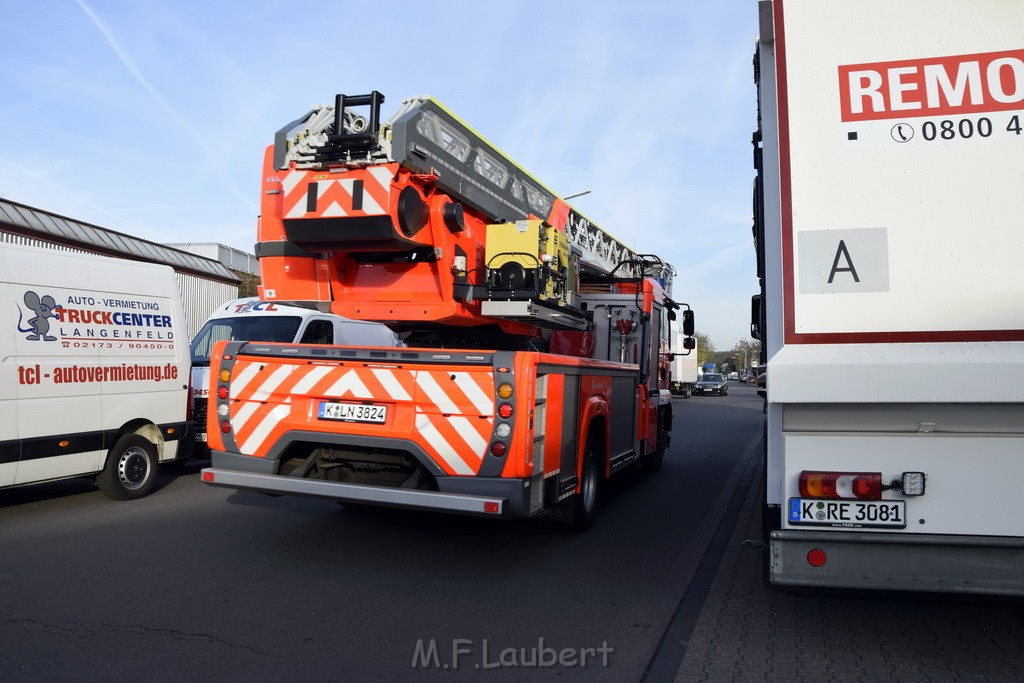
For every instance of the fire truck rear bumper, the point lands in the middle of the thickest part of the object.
(903, 562)
(485, 496)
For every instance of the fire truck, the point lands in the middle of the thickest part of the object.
(536, 362)
(887, 209)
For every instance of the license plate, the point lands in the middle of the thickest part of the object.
(201, 436)
(353, 412)
(849, 514)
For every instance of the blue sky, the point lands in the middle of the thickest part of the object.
(151, 117)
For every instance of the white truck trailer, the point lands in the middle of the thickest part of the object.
(684, 367)
(888, 207)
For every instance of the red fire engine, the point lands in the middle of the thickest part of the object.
(536, 361)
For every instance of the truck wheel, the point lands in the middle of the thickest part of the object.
(130, 471)
(584, 508)
(652, 462)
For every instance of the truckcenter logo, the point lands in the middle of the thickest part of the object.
(937, 86)
(79, 317)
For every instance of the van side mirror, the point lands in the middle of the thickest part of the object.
(688, 328)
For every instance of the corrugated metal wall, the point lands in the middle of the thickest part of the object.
(201, 298)
(199, 295)
(30, 242)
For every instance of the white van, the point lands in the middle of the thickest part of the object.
(93, 370)
(251, 319)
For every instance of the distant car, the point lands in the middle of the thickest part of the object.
(711, 383)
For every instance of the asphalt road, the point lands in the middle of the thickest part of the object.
(196, 582)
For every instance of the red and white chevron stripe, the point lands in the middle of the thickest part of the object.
(335, 194)
(448, 412)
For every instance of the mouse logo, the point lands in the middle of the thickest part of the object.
(44, 308)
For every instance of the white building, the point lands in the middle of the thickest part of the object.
(235, 259)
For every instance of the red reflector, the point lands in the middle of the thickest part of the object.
(207, 475)
(816, 557)
(505, 410)
(839, 485)
(222, 392)
(498, 449)
(225, 426)
(492, 507)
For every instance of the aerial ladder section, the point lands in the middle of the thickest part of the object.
(421, 223)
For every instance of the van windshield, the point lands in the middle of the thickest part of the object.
(262, 328)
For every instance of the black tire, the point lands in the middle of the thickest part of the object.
(584, 503)
(652, 462)
(130, 471)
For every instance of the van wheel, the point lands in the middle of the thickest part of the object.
(584, 508)
(130, 471)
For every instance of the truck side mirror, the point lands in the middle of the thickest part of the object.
(688, 328)
(689, 343)
(755, 317)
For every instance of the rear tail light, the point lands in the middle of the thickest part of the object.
(505, 410)
(839, 485)
(225, 426)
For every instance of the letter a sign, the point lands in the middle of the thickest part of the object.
(842, 252)
(843, 261)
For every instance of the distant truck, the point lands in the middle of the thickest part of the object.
(684, 369)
